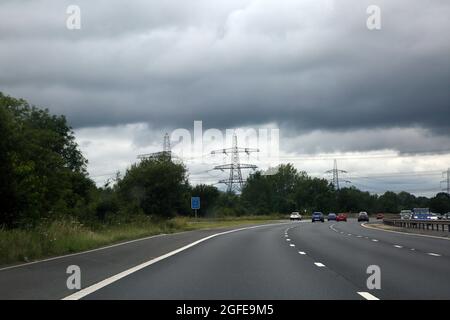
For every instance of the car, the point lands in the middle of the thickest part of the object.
(363, 216)
(295, 216)
(380, 216)
(405, 214)
(341, 217)
(331, 216)
(433, 216)
(317, 216)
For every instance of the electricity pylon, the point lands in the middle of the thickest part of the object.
(335, 171)
(446, 181)
(167, 152)
(234, 182)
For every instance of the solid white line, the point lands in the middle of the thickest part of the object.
(86, 291)
(368, 296)
(433, 254)
(320, 265)
(301, 252)
(292, 245)
(405, 233)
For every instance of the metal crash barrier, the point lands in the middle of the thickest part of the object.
(433, 225)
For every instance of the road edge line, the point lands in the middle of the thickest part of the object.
(407, 233)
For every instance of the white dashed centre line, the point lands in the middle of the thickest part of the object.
(368, 296)
(301, 252)
(374, 240)
(292, 245)
(288, 239)
(320, 265)
(397, 246)
(359, 236)
(433, 254)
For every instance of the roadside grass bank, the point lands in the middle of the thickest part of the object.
(66, 236)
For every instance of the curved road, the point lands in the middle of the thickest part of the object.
(298, 260)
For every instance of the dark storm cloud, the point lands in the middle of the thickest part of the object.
(305, 65)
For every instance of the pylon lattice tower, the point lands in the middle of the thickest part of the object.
(234, 182)
(335, 171)
(446, 181)
(167, 151)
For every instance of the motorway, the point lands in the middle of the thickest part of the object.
(293, 260)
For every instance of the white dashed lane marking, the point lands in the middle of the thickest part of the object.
(433, 254)
(301, 252)
(374, 240)
(368, 296)
(397, 246)
(320, 265)
(292, 245)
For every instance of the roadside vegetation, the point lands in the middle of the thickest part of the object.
(50, 206)
(69, 236)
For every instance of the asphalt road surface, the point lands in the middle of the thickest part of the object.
(298, 260)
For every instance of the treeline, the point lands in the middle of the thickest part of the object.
(289, 190)
(44, 178)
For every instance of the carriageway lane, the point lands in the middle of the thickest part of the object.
(252, 264)
(405, 273)
(46, 279)
(412, 241)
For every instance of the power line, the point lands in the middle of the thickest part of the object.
(234, 181)
(447, 181)
(308, 157)
(167, 152)
(335, 171)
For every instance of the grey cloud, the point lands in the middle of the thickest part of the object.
(304, 65)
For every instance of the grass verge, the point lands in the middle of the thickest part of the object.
(64, 237)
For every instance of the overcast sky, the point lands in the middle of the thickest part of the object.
(311, 68)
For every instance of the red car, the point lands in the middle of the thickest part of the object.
(380, 216)
(341, 217)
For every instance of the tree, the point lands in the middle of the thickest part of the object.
(440, 203)
(44, 170)
(157, 186)
(389, 202)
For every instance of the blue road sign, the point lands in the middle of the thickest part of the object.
(195, 203)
